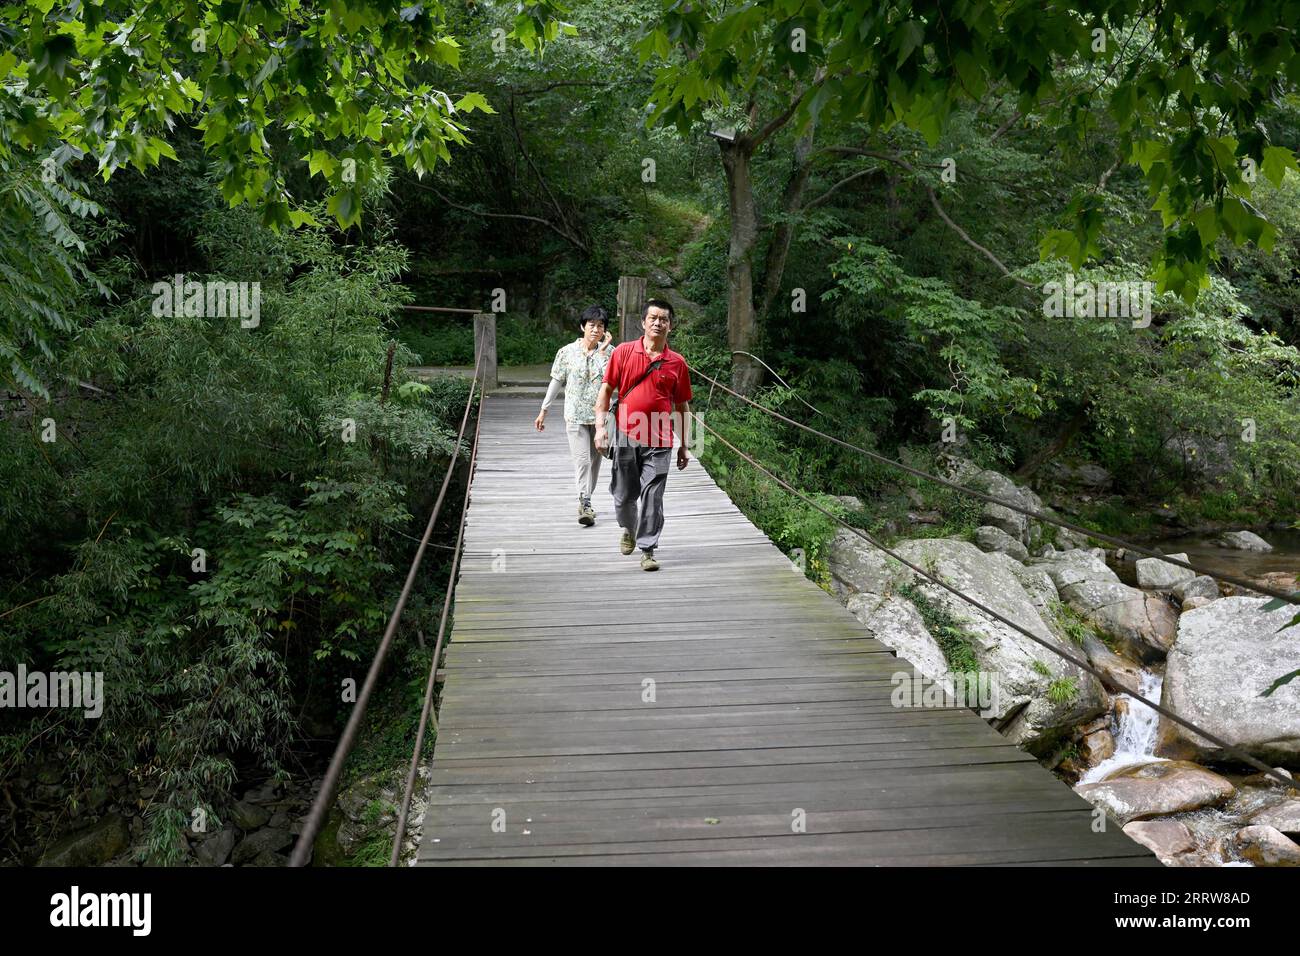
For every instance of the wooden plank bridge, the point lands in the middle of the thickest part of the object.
(769, 699)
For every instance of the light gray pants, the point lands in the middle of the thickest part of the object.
(586, 459)
(637, 481)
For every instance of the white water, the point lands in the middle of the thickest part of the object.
(1135, 738)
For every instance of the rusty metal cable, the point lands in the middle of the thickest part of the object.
(1014, 506)
(329, 785)
(1082, 664)
(437, 652)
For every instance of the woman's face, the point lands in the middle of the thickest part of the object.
(593, 332)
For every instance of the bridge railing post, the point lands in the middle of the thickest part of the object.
(485, 340)
(631, 306)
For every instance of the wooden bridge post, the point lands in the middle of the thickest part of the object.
(631, 306)
(485, 338)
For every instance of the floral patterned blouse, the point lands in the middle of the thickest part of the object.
(581, 372)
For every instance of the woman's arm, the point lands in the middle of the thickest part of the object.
(551, 391)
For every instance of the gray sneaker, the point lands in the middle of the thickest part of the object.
(586, 514)
(648, 562)
(627, 544)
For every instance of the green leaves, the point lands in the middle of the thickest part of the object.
(1184, 102)
(249, 75)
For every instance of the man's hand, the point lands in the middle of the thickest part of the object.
(681, 457)
(539, 422)
(601, 439)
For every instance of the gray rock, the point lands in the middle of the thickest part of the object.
(1154, 573)
(215, 850)
(1000, 486)
(1023, 669)
(1201, 586)
(896, 623)
(93, 846)
(849, 501)
(1144, 624)
(1096, 747)
(1120, 676)
(1036, 582)
(1156, 789)
(1284, 816)
(1265, 846)
(1070, 540)
(267, 858)
(1192, 603)
(857, 566)
(1072, 567)
(658, 278)
(262, 841)
(1227, 653)
(1243, 541)
(249, 816)
(1167, 839)
(1202, 456)
(1093, 477)
(989, 538)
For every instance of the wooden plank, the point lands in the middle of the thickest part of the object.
(769, 696)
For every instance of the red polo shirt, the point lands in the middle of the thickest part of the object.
(645, 414)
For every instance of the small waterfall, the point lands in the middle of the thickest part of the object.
(1135, 737)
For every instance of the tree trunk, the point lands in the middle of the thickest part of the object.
(783, 233)
(742, 325)
(1055, 446)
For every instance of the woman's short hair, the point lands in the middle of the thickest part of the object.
(593, 313)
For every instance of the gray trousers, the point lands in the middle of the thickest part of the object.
(586, 459)
(637, 481)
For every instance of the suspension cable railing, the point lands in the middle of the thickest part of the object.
(1014, 506)
(426, 711)
(329, 785)
(1082, 664)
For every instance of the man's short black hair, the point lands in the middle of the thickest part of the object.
(659, 304)
(593, 313)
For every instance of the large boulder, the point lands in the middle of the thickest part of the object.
(1022, 668)
(1074, 566)
(1201, 586)
(1265, 846)
(991, 539)
(1155, 573)
(1092, 477)
(1243, 541)
(1009, 520)
(1119, 675)
(1156, 789)
(896, 623)
(1284, 816)
(1227, 653)
(1169, 840)
(95, 845)
(857, 566)
(1143, 624)
(1036, 582)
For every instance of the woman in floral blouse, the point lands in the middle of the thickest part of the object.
(579, 367)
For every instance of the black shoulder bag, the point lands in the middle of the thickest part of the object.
(612, 430)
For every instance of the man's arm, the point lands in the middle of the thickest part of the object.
(681, 411)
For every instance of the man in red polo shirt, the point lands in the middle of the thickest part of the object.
(644, 441)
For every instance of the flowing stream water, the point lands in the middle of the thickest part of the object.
(1135, 735)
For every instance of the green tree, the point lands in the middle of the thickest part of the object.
(1181, 87)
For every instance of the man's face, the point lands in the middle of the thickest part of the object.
(657, 322)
